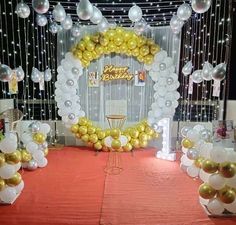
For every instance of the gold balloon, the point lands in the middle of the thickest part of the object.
(2, 184)
(140, 58)
(209, 166)
(98, 145)
(91, 130)
(144, 50)
(82, 45)
(134, 133)
(45, 152)
(186, 143)
(110, 34)
(14, 180)
(78, 135)
(127, 35)
(150, 41)
(155, 49)
(149, 59)
(206, 191)
(83, 130)
(87, 38)
(149, 131)
(140, 127)
(227, 169)
(226, 195)
(128, 137)
(123, 48)
(101, 134)
(2, 159)
(104, 41)
(149, 137)
(89, 123)
(120, 31)
(93, 138)
(85, 137)
(132, 44)
(95, 38)
(25, 156)
(13, 158)
(156, 135)
(112, 47)
(128, 147)
(118, 40)
(134, 142)
(115, 144)
(143, 143)
(78, 54)
(99, 49)
(39, 138)
(87, 55)
(115, 133)
(90, 46)
(135, 52)
(143, 136)
(74, 128)
(198, 162)
(108, 132)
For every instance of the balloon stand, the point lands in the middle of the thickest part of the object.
(114, 164)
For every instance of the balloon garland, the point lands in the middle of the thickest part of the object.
(121, 41)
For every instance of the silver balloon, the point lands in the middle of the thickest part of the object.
(176, 23)
(70, 82)
(75, 30)
(20, 74)
(34, 127)
(67, 23)
(169, 80)
(219, 72)
(207, 71)
(103, 25)
(22, 10)
(68, 103)
(135, 13)
(41, 20)
(97, 16)
(6, 73)
(168, 103)
(36, 75)
(192, 153)
(40, 6)
(185, 130)
(71, 116)
(206, 135)
(84, 10)
(75, 71)
(201, 6)
(140, 26)
(32, 165)
(162, 66)
(47, 75)
(59, 13)
(53, 27)
(184, 11)
(187, 69)
(197, 76)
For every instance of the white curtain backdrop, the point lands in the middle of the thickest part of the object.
(118, 96)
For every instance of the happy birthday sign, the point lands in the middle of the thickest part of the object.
(112, 72)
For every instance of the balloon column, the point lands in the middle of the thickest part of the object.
(36, 147)
(11, 183)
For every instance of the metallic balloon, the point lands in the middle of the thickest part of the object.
(135, 13)
(162, 66)
(67, 23)
(207, 71)
(32, 165)
(34, 127)
(75, 71)
(68, 103)
(176, 23)
(192, 153)
(97, 16)
(84, 10)
(59, 13)
(22, 10)
(70, 82)
(20, 74)
(71, 116)
(41, 20)
(47, 75)
(36, 75)
(140, 26)
(219, 72)
(197, 76)
(201, 6)
(184, 11)
(75, 30)
(40, 6)
(5, 73)
(169, 80)
(187, 69)
(53, 27)
(103, 25)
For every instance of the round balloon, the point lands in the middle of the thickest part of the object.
(67, 23)
(201, 6)
(5, 73)
(59, 13)
(97, 16)
(197, 76)
(84, 10)
(219, 72)
(135, 13)
(22, 10)
(41, 20)
(40, 6)
(184, 11)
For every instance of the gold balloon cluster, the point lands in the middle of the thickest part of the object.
(117, 40)
(137, 136)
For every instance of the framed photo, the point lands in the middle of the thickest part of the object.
(140, 78)
(93, 80)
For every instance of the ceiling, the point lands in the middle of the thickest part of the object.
(156, 13)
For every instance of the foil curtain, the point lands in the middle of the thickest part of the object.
(135, 100)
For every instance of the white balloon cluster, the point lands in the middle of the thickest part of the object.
(207, 73)
(6, 73)
(8, 191)
(66, 96)
(162, 72)
(184, 12)
(37, 76)
(34, 140)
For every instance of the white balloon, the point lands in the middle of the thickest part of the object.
(103, 25)
(42, 162)
(40, 6)
(231, 182)
(59, 13)
(135, 13)
(7, 171)
(108, 141)
(41, 20)
(47, 75)
(17, 166)
(203, 201)
(215, 207)
(31, 147)
(26, 138)
(38, 155)
(204, 176)
(176, 24)
(45, 128)
(8, 195)
(8, 145)
(84, 10)
(205, 150)
(67, 23)
(193, 171)
(201, 6)
(193, 135)
(231, 207)
(217, 181)
(97, 16)
(187, 69)
(75, 30)
(207, 71)
(184, 11)
(218, 154)
(199, 127)
(22, 10)
(186, 161)
(185, 130)
(231, 156)
(123, 140)
(19, 187)
(197, 76)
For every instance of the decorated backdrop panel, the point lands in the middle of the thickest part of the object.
(97, 99)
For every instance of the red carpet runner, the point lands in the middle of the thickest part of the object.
(70, 190)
